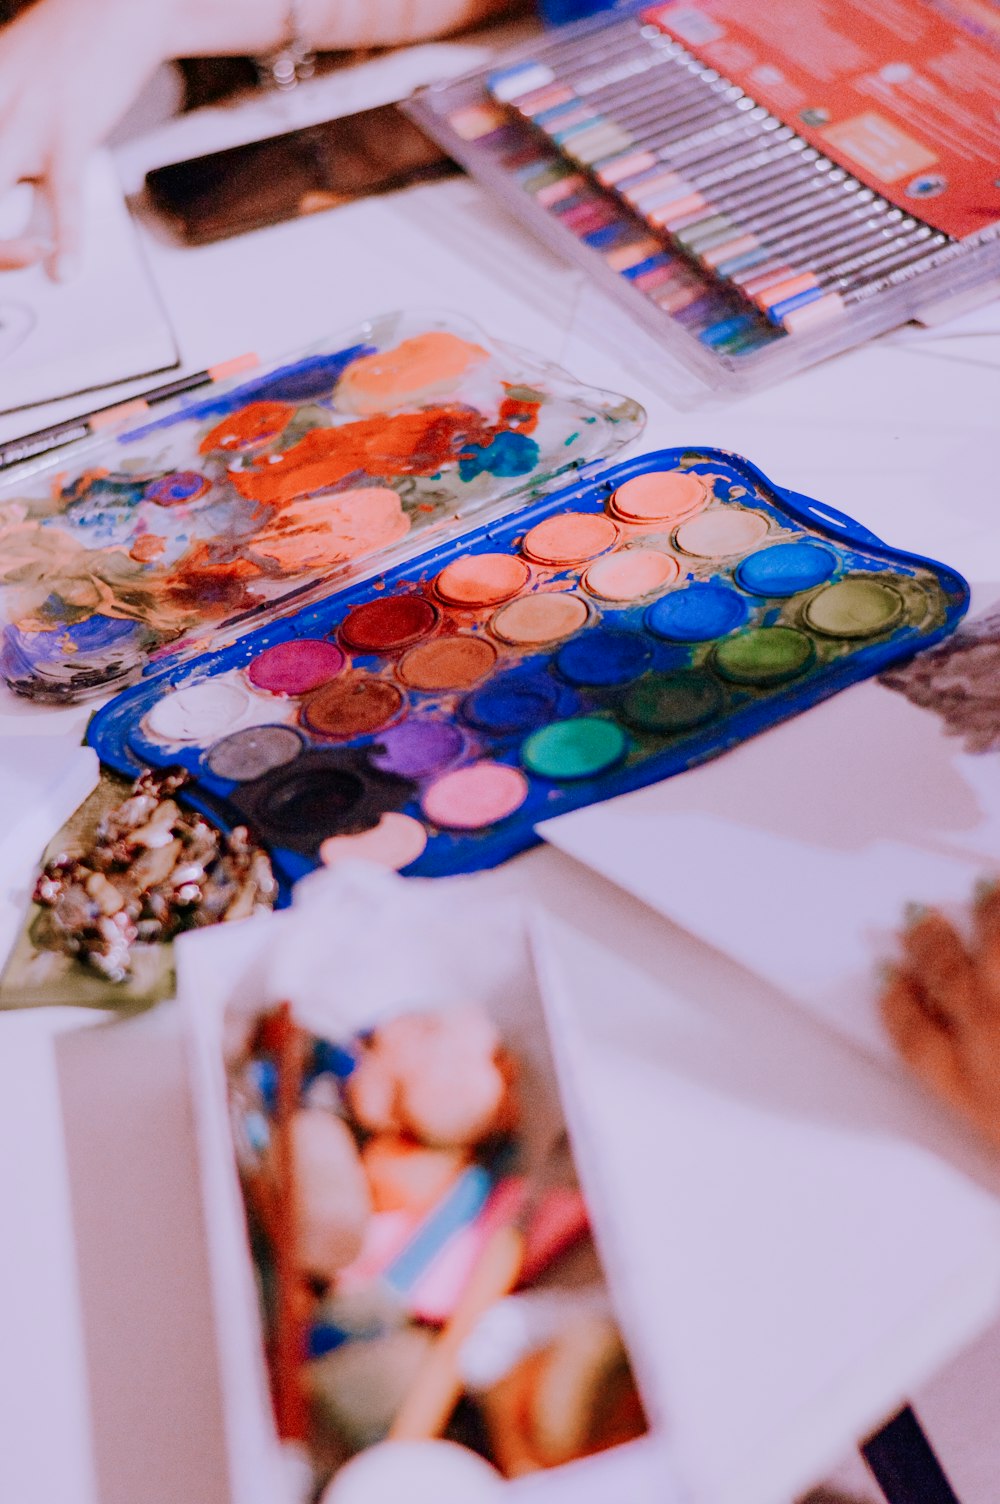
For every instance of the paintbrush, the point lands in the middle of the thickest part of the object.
(428, 1406)
(274, 1198)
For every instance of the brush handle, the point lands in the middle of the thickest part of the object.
(428, 1406)
(289, 1324)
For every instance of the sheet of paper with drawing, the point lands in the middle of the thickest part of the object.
(105, 325)
(798, 852)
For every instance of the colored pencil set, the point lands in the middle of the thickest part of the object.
(715, 176)
(606, 228)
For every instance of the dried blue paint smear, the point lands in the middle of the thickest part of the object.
(507, 454)
(299, 382)
(786, 568)
(88, 652)
(90, 636)
(698, 613)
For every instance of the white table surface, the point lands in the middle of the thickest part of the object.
(898, 434)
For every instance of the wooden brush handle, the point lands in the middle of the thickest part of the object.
(289, 1324)
(428, 1406)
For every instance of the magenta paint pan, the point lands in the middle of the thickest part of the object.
(296, 667)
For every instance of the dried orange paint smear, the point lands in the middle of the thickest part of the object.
(519, 412)
(146, 548)
(418, 370)
(258, 423)
(408, 444)
(331, 529)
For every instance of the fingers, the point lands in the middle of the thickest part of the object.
(940, 1010)
(925, 1043)
(935, 954)
(986, 919)
(21, 252)
(62, 188)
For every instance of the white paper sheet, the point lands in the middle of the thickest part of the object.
(104, 325)
(801, 1241)
(42, 781)
(46, 1451)
(798, 852)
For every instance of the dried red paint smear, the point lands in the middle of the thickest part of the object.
(408, 444)
(257, 424)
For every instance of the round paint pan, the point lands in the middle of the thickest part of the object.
(537, 620)
(356, 704)
(603, 658)
(389, 625)
(510, 705)
(479, 580)
(296, 667)
(249, 754)
(666, 496)
(570, 538)
(698, 613)
(196, 713)
(721, 533)
(417, 747)
(670, 703)
(394, 843)
(448, 663)
(764, 656)
(855, 608)
(786, 568)
(475, 797)
(579, 748)
(629, 574)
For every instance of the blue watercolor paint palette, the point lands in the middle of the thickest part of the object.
(217, 512)
(630, 626)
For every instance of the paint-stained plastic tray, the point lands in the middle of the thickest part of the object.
(632, 625)
(323, 469)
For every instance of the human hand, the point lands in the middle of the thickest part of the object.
(942, 1009)
(68, 71)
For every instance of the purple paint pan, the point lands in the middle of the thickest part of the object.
(418, 748)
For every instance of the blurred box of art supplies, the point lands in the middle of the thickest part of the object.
(731, 1174)
(411, 1294)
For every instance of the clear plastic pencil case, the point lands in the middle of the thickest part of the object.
(747, 230)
